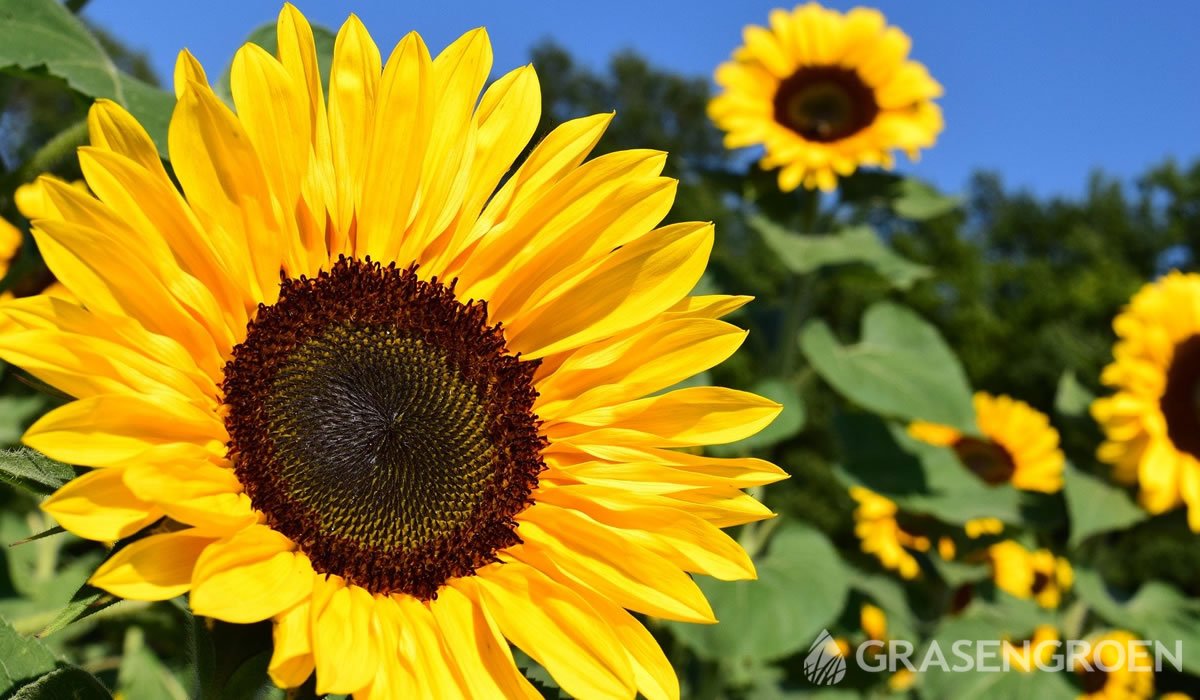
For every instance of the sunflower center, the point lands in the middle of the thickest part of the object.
(381, 424)
(985, 459)
(825, 103)
(1180, 401)
(1040, 581)
(1093, 679)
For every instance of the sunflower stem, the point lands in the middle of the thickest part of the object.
(60, 147)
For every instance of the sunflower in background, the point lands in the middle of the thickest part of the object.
(1039, 649)
(1021, 447)
(880, 534)
(1129, 674)
(347, 381)
(873, 621)
(1152, 422)
(825, 93)
(1030, 574)
(10, 245)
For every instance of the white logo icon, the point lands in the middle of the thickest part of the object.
(824, 664)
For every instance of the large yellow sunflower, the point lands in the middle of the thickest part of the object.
(825, 93)
(1021, 447)
(348, 381)
(1152, 422)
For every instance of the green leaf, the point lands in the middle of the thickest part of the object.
(789, 422)
(1157, 612)
(68, 683)
(1096, 506)
(33, 471)
(1072, 398)
(142, 675)
(21, 659)
(43, 33)
(87, 601)
(917, 201)
(804, 253)
(901, 368)
(801, 588)
(267, 37)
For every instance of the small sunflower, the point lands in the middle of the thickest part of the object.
(364, 379)
(1112, 667)
(875, 626)
(1020, 445)
(880, 533)
(1030, 574)
(825, 93)
(1035, 652)
(1152, 422)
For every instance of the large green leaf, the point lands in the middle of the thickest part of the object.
(33, 471)
(804, 253)
(44, 34)
(1158, 612)
(801, 588)
(901, 368)
(22, 660)
(67, 683)
(1096, 506)
(142, 675)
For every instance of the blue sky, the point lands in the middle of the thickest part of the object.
(1041, 91)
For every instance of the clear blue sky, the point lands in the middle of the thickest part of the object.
(1041, 91)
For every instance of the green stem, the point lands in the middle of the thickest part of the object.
(60, 147)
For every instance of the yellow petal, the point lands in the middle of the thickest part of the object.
(478, 648)
(291, 654)
(556, 627)
(681, 418)
(107, 430)
(615, 371)
(421, 644)
(158, 567)
(353, 86)
(400, 135)
(626, 288)
(114, 129)
(683, 538)
(560, 540)
(251, 576)
(344, 637)
(98, 506)
(653, 673)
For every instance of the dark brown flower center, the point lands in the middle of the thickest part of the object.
(1180, 401)
(1092, 679)
(825, 103)
(1041, 580)
(985, 459)
(381, 424)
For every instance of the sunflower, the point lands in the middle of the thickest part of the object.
(1033, 653)
(1030, 574)
(1113, 667)
(825, 93)
(1019, 446)
(362, 378)
(880, 533)
(874, 625)
(1152, 422)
